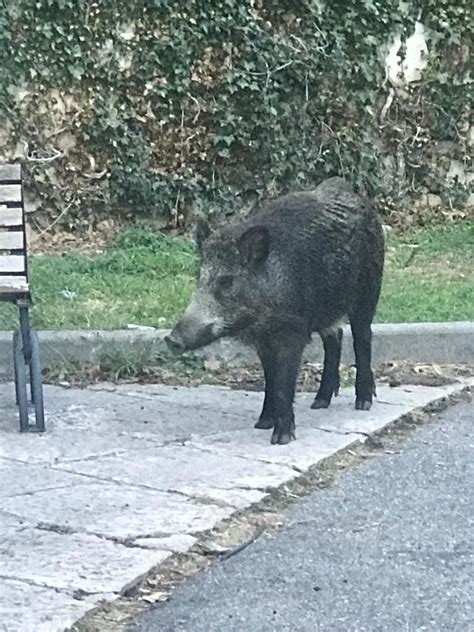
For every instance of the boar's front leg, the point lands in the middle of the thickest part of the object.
(281, 359)
(267, 416)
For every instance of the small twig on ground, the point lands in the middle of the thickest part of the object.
(53, 223)
(32, 158)
(411, 256)
(241, 547)
(225, 554)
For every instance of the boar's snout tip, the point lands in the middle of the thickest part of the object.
(174, 344)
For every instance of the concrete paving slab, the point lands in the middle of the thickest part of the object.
(15, 482)
(116, 511)
(125, 475)
(118, 423)
(203, 397)
(25, 607)
(58, 446)
(390, 402)
(311, 446)
(57, 560)
(190, 471)
(321, 433)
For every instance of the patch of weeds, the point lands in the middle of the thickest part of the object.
(188, 369)
(144, 365)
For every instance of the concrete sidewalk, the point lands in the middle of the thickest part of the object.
(126, 475)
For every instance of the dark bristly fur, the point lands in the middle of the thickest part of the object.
(300, 264)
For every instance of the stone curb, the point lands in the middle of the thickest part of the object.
(440, 343)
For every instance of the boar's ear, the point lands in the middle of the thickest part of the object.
(254, 244)
(203, 230)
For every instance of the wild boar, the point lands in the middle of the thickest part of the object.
(300, 264)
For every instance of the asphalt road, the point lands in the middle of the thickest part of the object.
(389, 547)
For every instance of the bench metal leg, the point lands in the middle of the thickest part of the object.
(20, 381)
(25, 332)
(26, 354)
(36, 382)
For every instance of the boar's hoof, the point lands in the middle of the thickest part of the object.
(363, 404)
(282, 435)
(265, 423)
(282, 438)
(320, 402)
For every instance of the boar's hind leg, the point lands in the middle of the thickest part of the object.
(332, 341)
(281, 358)
(362, 340)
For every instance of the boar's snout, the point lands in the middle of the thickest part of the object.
(190, 334)
(200, 324)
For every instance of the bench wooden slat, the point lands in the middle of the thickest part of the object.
(12, 285)
(10, 193)
(10, 216)
(12, 263)
(13, 277)
(10, 173)
(12, 241)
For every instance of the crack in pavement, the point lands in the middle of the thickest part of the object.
(95, 457)
(173, 407)
(39, 584)
(342, 432)
(15, 516)
(200, 499)
(252, 459)
(10, 459)
(128, 542)
(255, 459)
(42, 489)
(381, 401)
(91, 457)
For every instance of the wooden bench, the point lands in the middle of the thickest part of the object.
(14, 288)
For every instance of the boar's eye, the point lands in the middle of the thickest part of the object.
(224, 282)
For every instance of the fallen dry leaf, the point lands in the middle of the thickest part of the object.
(211, 364)
(156, 597)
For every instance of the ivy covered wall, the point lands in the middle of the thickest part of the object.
(166, 108)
